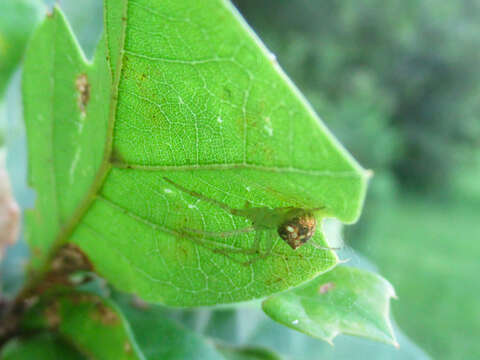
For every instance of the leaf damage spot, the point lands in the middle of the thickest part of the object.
(105, 315)
(325, 288)
(75, 161)
(268, 126)
(52, 315)
(116, 157)
(69, 259)
(83, 88)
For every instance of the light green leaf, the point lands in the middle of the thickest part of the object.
(345, 300)
(197, 103)
(39, 347)
(94, 325)
(17, 20)
(65, 107)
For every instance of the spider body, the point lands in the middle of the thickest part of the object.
(295, 226)
(298, 228)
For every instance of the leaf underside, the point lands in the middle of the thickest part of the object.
(182, 90)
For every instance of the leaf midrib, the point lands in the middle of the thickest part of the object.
(237, 166)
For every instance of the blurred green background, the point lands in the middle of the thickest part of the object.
(397, 81)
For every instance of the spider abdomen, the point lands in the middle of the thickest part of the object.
(297, 230)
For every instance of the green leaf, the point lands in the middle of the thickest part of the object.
(345, 300)
(247, 353)
(17, 21)
(161, 338)
(65, 109)
(95, 326)
(40, 347)
(198, 101)
(246, 325)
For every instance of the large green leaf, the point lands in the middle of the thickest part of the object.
(94, 325)
(195, 99)
(39, 347)
(17, 20)
(345, 300)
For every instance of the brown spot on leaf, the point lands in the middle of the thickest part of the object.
(82, 298)
(70, 258)
(105, 315)
(83, 87)
(116, 157)
(127, 347)
(52, 315)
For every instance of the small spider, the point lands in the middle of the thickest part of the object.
(294, 225)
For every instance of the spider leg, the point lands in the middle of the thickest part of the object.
(220, 234)
(220, 204)
(229, 251)
(199, 236)
(257, 249)
(219, 248)
(323, 247)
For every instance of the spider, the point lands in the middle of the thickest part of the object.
(295, 226)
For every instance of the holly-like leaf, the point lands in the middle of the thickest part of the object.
(345, 300)
(94, 325)
(39, 347)
(197, 104)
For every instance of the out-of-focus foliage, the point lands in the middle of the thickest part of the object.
(17, 20)
(397, 80)
(40, 347)
(436, 278)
